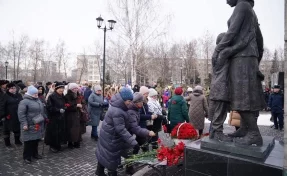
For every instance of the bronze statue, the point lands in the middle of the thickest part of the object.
(236, 59)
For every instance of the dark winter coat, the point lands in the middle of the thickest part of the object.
(114, 136)
(276, 102)
(72, 116)
(55, 133)
(8, 110)
(133, 122)
(198, 109)
(95, 108)
(144, 115)
(87, 94)
(177, 111)
(245, 86)
(29, 108)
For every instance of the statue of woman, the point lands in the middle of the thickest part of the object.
(245, 89)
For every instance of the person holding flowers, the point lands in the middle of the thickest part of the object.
(73, 126)
(114, 136)
(32, 117)
(55, 133)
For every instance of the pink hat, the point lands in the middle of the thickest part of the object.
(144, 90)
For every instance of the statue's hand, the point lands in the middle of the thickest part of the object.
(226, 53)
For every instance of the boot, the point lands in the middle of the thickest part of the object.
(7, 142)
(219, 136)
(77, 144)
(130, 170)
(17, 140)
(100, 170)
(112, 173)
(70, 145)
(242, 131)
(253, 136)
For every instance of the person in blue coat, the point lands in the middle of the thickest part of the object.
(95, 108)
(114, 136)
(276, 104)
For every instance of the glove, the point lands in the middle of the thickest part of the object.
(101, 105)
(62, 111)
(105, 104)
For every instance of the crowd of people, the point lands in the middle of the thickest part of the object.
(59, 112)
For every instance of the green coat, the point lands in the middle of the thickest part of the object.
(177, 110)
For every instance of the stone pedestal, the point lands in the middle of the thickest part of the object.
(257, 153)
(202, 162)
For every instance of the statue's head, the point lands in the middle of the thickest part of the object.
(232, 3)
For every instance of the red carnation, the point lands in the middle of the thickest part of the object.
(8, 117)
(67, 105)
(37, 127)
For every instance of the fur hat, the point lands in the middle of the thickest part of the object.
(138, 97)
(59, 85)
(2, 82)
(10, 85)
(152, 92)
(72, 86)
(277, 87)
(198, 88)
(97, 88)
(144, 90)
(21, 85)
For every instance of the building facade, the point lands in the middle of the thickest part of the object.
(88, 69)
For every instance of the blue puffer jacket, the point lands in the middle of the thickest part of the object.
(276, 102)
(114, 137)
(144, 115)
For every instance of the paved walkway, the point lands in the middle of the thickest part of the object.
(78, 162)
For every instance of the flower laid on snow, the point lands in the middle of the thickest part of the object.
(184, 131)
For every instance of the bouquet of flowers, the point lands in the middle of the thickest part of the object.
(171, 155)
(184, 131)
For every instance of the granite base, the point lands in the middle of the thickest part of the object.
(256, 152)
(202, 162)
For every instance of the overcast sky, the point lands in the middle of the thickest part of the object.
(74, 20)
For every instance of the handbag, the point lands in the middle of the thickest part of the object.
(84, 115)
(38, 119)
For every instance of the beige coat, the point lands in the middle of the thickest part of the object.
(198, 110)
(234, 119)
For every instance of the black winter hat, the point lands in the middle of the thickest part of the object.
(10, 85)
(277, 86)
(2, 82)
(22, 86)
(59, 85)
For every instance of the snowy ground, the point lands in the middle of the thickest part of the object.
(263, 119)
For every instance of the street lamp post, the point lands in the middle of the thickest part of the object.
(6, 65)
(111, 27)
(181, 75)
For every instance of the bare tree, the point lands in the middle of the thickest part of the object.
(21, 51)
(190, 64)
(82, 63)
(36, 54)
(207, 44)
(275, 63)
(138, 25)
(266, 65)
